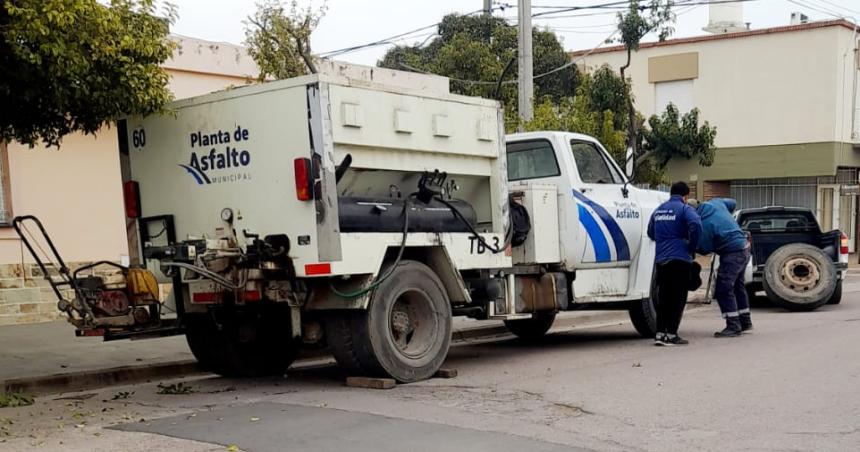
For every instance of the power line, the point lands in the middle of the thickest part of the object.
(852, 11)
(385, 41)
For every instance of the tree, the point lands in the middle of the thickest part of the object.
(74, 65)
(581, 114)
(279, 39)
(671, 135)
(478, 53)
(634, 26)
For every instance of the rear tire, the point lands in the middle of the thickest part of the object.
(799, 277)
(643, 313)
(242, 343)
(836, 298)
(531, 329)
(405, 331)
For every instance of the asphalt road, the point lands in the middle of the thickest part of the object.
(790, 385)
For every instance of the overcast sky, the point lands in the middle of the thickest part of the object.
(353, 22)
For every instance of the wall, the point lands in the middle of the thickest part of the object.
(758, 90)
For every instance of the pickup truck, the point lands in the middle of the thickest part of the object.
(799, 267)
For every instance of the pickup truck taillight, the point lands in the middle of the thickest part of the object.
(843, 244)
(304, 179)
(131, 196)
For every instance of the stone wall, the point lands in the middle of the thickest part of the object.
(26, 297)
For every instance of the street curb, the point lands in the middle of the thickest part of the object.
(99, 378)
(89, 379)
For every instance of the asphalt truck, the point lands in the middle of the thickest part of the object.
(357, 209)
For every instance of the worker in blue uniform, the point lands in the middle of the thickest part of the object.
(721, 234)
(675, 226)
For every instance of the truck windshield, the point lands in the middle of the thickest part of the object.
(776, 222)
(592, 165)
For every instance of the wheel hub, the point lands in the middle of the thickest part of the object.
(413, 324)
(800, 274)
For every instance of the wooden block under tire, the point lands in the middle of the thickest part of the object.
(371, 383)
(445, 373)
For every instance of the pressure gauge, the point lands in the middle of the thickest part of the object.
(227, 215)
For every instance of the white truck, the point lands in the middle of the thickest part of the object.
(359, 209)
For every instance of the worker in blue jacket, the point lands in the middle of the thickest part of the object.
(721, 234)
(675, 227)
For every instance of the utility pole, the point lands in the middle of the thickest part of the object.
(524, 56)
(488, 7)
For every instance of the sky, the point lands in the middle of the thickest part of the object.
(352, 22)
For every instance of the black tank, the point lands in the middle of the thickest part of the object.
(361, 214)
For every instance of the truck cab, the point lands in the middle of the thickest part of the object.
(601, 218)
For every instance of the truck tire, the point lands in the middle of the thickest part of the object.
(531, 329)
(799, 277)
(643, 313)
(836, 298)
(242, 344)
(404, 333)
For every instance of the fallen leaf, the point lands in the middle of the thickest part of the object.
(232, 448)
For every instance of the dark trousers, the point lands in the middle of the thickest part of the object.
(729, 289)
(673, 277)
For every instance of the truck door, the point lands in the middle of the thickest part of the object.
(612, 222)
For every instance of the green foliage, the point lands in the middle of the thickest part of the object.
(15, 399)
(175, 389)
(74, 65)
(479, 48)
(279, 38)
(634, 25)
(671, 135)
(581, 114)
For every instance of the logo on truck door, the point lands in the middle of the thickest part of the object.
(588, 210)
(215, 157)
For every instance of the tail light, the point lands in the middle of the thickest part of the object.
(843, 244)
(131, 195)
(304, 179)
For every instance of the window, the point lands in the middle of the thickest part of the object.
(5, 195)
(592, 165)
(531, 160)
(777, 222)
(678, 92)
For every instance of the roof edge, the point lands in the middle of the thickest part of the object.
(741, 34)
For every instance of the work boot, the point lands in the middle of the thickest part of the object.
(733, 328)
(746, 322)
(674, 339)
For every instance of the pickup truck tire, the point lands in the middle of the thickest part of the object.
(799, 277)
(643, 313)
(836, 298)
(404, 333)
(242, 344)
(531, 329)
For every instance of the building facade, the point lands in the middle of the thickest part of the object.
(76, 190)
(784, 102)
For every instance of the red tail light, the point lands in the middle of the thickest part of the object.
(304, 179)
(843, 244)
(131, 195)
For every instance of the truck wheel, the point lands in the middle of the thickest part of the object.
(405, 331)
(643, 313)
(799, 277)
(243, 344)
(836, 298)
(531, 329)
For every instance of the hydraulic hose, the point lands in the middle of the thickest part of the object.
(379, 280)
(495, 250)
